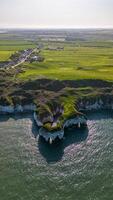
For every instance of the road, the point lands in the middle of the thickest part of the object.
(23, 60)
(19, 62)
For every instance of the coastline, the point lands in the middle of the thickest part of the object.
(83, 105)
(77, 121)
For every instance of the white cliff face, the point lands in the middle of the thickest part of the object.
(17, 108)
(30, 107)
(38, 122)
(6, 109)
(97, 105)
(48, 136)
(75, 121)
(94, 106)
(51, 136)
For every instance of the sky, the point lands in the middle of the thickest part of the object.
(56, 13)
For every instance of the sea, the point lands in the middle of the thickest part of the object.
(80, 167)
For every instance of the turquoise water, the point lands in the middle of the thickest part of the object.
(79, 168)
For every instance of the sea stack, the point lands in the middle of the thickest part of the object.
(52, 123)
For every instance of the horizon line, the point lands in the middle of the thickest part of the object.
(52, 27)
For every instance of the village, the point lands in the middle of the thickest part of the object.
(20, 57)
(27, 55)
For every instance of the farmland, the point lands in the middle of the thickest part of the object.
(5, 55)
(77, 64)
(73, 63)
(15, 45)
(85, 54)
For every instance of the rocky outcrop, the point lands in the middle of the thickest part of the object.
(48, 119)
(95, 104)
(49, 113)
(78, 121)
(51, 136)
(6, 109)
(85, 104)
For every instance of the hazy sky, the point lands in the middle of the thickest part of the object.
(56, 13)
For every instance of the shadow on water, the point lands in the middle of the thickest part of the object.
(4, 118)
(54, 153)
(16, 116)
(35, 130)
(99, 115)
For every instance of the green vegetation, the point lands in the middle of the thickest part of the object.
(71, 70)
(69, 106)
(15, 45)
(5, 55)
(53, 129)
(73, 63)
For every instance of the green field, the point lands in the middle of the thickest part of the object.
(88, 59)
(9, 47)
(73, 63)
(78, 60)
(5, 55)
(15, 45)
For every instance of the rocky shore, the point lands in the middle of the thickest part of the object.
(11, 109)
(82, 104)
(48, 121)
(51, 136)
(101, 103)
